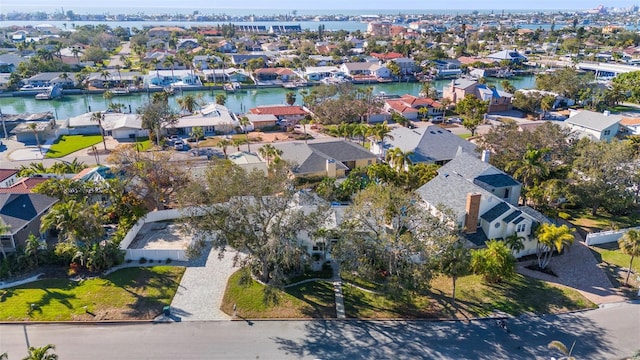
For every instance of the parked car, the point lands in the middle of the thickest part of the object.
(454, 120)
(437, 119)
(179, 145)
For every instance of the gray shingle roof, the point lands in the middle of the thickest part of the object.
(593, 120)
(518, 220)
(429, 144)
(495, 212)
(465, 164)
(512, 216)
(18, 210)
(496, 180)
(479, 238)
(312, 157)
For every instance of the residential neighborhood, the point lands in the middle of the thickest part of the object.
(462, 167)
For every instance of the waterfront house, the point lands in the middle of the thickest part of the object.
(268, 76)
(117, 125)
(261, 121)
(27, 135)
(179, 78)
(45, 79)
(428, 145)
(407, 66)
(630, 126)
(22, 214)
(284, 113)
(409, 106)
(365, 70)
(164, 32)
(213, 119)
(484, 202)
(317, 73)
(315, 159)
(225, 75)
(512, 56)
(114, 78)
(243, 59)
(447, 68)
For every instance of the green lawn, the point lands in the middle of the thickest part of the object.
(464, 136)
(310, 300)
(131, 293)
(144, 143)
(612, 260)
(68, 144)
(474, 298)
(621, 108)
(582, 219)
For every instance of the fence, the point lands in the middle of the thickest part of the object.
(153, 254)
(604, 237)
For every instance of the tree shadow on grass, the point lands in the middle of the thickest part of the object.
(318, 295)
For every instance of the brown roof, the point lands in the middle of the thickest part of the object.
(279, 71)
(418, 101)
(401, 106)
(7, 173)
(630, 121)
(279, 110)
(387, 56)
(25, 185)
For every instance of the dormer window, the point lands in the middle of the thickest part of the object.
(521, 227)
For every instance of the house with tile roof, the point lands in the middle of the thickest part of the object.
(593, 125)
(484, 201)
(429, 145)
(22, 213)
(409, 106)
(8, 177)
(630, 126)
(287, 113)
(334, 158)
(23, 185)
(211, 118)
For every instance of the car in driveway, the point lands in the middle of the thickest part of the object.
(454, 120)
(179, 145)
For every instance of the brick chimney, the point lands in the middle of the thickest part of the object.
(472, 213)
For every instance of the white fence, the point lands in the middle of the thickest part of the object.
(604, 237)
(153, 254)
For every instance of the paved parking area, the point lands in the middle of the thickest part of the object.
(201, 290)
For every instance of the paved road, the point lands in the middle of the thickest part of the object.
(608, 333)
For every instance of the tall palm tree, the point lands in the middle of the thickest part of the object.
(34, 129)
(290, 98)
(188, 103)
(108, 95)
(630, 244)
(170, 61)
(105, 74)
(75, 52)
(304, 122)
(381, 132)
(531, 169)
(41, 353)
(98, 116)
(269, 153)
(515, 242)
(244, 123)
(65, 218)
(552, 238)
(197, 132)
(224, 144)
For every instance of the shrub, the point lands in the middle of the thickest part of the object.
(495, 262)
(564, 216)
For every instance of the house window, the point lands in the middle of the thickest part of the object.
(521, 227)
(606, 132)
(318, 247)
(506, 193)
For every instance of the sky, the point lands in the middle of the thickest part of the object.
(120, 6)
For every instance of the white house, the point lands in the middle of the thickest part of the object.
(212, 118)
(116, 125)
(179, 78)
(483, 200)
(365, 69)
(594, 125)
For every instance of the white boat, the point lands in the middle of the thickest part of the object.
(231, 87)
(44, 96)
(120, 91)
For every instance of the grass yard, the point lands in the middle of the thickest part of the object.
(68, 144)
(144, 143)
(623, 108)
(127, 294)
(582, 219)
(464, 136)
(473, 298)
(310, 300)
(615, 263)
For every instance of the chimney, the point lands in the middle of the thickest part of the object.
(606, 113)
(331, 168)
(472, 213)
(486, 154)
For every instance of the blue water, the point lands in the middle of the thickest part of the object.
(239, 102)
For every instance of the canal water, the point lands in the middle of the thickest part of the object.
(239, 102)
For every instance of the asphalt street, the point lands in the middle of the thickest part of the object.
(608, 333)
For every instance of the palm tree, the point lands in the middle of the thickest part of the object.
(64, 217)
(75, 53)
(304, 122)
(381, 132)
(34, 129)
(41, 353)
(170, 61)
(552, 238)
(221, 99)
(188, 103)
(105, 74)
(531, 169)
(630, 244)
(223, 144)
(362, 130)
(269, 153)
(398, 159)
(98, 116)
(290, 98)
(4, 229)
(108, 95)
(197, 132)
(515, 242)
(32, 248)
(563, 349)
(244, 123)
